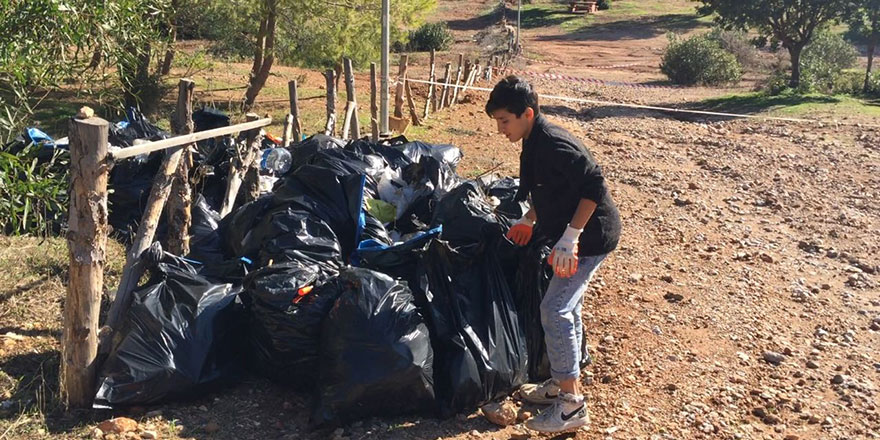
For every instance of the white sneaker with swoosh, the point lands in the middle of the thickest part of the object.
(540, 393)
(567, 414)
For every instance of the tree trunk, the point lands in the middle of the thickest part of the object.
(794, 51)
(872, 45)
(165, 69)
(266, 54)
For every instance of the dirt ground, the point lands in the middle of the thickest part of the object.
(742, 303)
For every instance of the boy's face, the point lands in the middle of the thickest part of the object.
(513, 127)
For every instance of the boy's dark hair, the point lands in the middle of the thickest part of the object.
(513, 94)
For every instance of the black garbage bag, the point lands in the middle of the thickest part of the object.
(302, 152)
(263, 233)
(135, 126)
(504, 190)
(394, 157)
(211, 157)
(465, 214)
(376, 357)
(286, 304)
(206, 244)
(479, 347)
(130, 182)
(182, 338)
(415, 150)
(401, 261)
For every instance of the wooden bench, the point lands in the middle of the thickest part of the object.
(583, 7)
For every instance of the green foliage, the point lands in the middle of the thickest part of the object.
(790, 23)
(604, 4)
(33, 196)
(699, 60)
(430, 36)
(738, 43)
(824, 59)
(317, 33)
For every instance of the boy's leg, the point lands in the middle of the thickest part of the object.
(560, 317)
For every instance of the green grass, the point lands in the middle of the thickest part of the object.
(793, 105)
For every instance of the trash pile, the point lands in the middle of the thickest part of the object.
(368, 274)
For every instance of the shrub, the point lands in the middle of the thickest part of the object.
(430, 36)
(823, 60)
(603, 4)
(739, 44)
(33, 195)
(699, 60)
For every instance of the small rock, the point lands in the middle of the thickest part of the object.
(523, 415)
(520, 436)
(773, 357)
(97, 434)
(667, 278)
(791, 437)
(812, 364)
(475, 433)
(837, 379)
(759, 412)
(501, 414)
(118, 425)
(149, 435)
(673, 297)
(770, 419)
(211, 427)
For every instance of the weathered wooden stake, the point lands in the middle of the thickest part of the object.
(401, 78)
(180, 199)
(351, 126)
(330, 127)
(132, 272)
(287, 131)
(458, 71)
(444, 95)
(241, 163)
(412, 105)
(296, 127)
(87, 244)
(374, 107)
(431, 102)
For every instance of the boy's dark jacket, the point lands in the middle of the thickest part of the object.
(558, 171)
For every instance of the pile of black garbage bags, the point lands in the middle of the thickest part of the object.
(371, 276)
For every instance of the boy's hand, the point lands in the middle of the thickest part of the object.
(521, 231)
(563, 258)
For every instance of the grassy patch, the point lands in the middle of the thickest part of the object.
(792, 105)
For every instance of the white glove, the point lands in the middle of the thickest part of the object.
(564, 258)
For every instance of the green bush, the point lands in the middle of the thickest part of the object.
(603, 4)
(699, 60)
(33, 196)
(430, 36)
(823, 60)
(739, 44)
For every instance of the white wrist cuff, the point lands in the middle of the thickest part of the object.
(526, 221)
(571, 234)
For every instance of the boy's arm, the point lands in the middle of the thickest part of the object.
(582, 215)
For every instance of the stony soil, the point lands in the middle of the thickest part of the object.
(742, 303)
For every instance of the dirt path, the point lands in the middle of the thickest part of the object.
(742, 303)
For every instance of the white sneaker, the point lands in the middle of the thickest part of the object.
(566, 414)
(541, 393)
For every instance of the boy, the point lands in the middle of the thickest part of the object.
(572, 205)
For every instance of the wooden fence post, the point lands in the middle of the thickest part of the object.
(411, 104)
(330, 127)
(350, 125)
(132, 271)
(243, 161)
(296, 126)
(431, 103)
(453, 94)
(180, 199)
(401, 77)
(444, 95)
(374, 108)
(87, 244)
